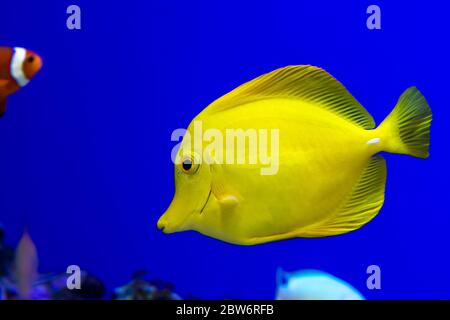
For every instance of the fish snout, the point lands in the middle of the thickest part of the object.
(36, 66)
(168, 224)
(161, 225)
(39, 63)
(32, 64)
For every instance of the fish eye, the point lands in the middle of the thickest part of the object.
(188, 165)
(30, 59)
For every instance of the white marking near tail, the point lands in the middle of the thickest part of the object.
(373, 141)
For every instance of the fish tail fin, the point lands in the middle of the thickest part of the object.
(406, 129)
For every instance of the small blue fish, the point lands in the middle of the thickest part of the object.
(313, 285)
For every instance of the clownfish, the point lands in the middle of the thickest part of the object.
(17, 67)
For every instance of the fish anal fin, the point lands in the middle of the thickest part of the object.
(362, 206)
(304, 83)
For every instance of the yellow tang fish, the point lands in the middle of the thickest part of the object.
(328, 179)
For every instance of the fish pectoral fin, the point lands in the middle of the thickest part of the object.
(2, 106)
(362, 206)
(228, 201)
(224, 194)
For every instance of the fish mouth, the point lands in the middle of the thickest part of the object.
(206, 202)
(164, 226)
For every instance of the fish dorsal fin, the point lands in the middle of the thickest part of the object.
(304, 82)
(362, 206)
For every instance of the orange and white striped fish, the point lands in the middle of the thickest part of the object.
(17, 67)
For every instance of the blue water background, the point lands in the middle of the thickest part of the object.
(85, 148)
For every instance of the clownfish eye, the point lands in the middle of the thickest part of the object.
(30, 59)
(189, 166)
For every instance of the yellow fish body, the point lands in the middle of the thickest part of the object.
(328, 179)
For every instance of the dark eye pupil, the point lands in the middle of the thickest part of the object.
(30, 59)
(187, 165)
